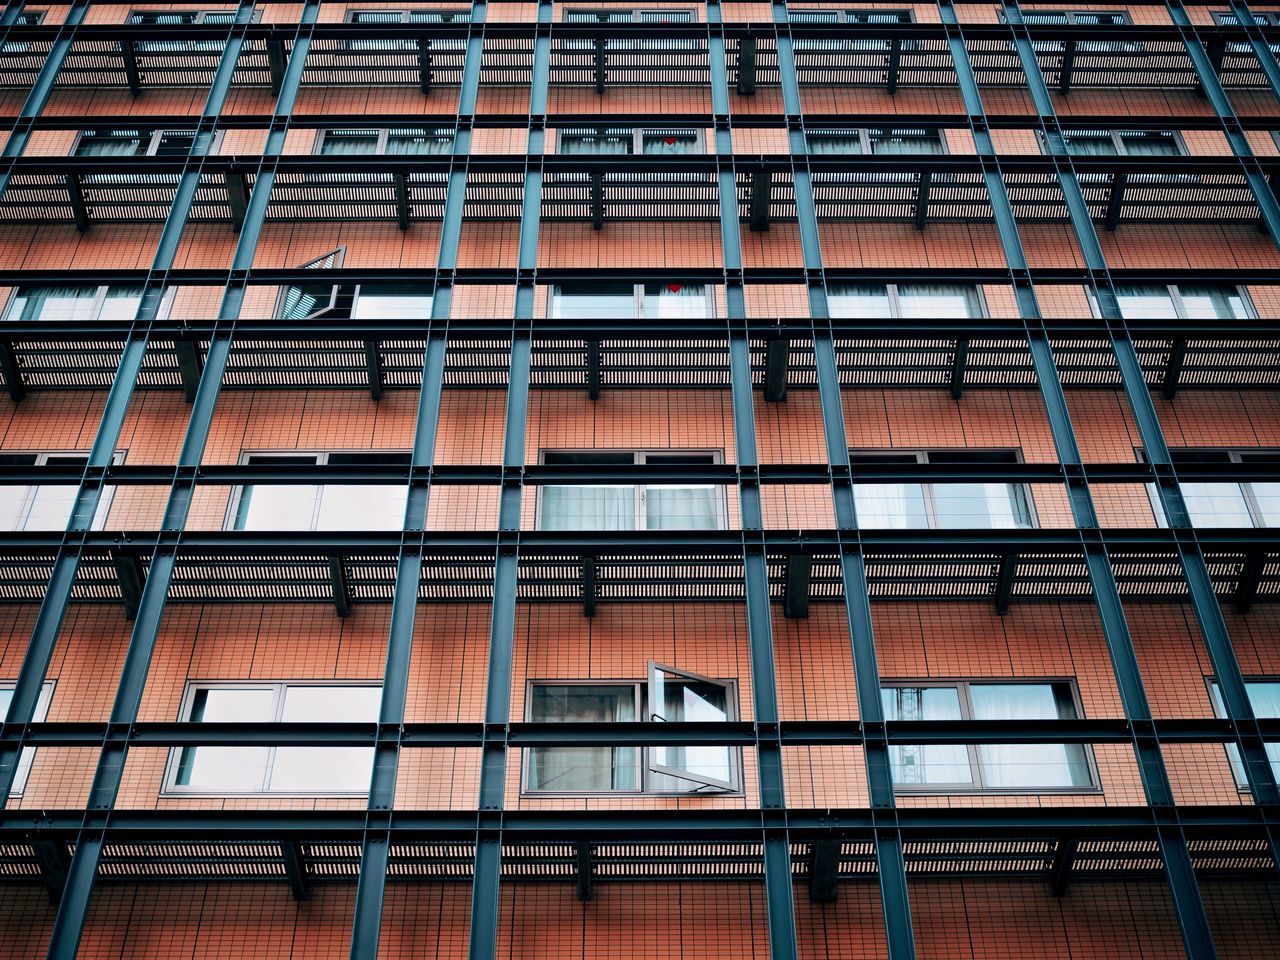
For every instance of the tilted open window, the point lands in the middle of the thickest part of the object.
(670, 695)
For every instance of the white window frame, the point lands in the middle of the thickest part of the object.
(637, 294)
(1175, 296)
(383, 135)
(193, 687)
(978, 785)
(320, 458)
(866, 134)
(978, 298)
(646, 767)
(717, 457)
(636, 134)
(27, 759)
(1118, 138)
(1021, 490)
(153, 139)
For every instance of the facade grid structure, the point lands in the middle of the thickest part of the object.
(531, 479)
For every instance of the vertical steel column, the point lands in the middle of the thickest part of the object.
(726, 170)
(375, 850)
(891, 869)
(486, 886)
(74, 905)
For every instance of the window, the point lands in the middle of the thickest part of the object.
(915, 300)
(392, 142)
(1263, 18)
(1094, 18)
(319, 299)
(670, 696)
(25, 18)
(1264, 698)
(625, 140)
(321, 506)
(1184, 302)
(664, 506)
(629, 16)
(1123, 143)
(988, 767)
(390, 301)
(168, 17)
(135, 143)
(74, 303)
(258, 770)
(28, 755)
(626, 301)
(408, 16)
(1215, 504)
(878, 141)
(32, 508)
(806, 44)
(941, 506)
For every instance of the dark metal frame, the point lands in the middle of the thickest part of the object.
(775, 826)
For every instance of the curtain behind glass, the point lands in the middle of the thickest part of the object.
(53, 303)
(890, 506)
(858, 301)
(833, 142)
(1026, 765)
(1215, 504)
(588, 508)
(937, 301)
(349, 143)
(582, 768)
(1145, 301)
(681, 508)
(120, 144)
(932, 763)
(675, 301)
(1213, 303)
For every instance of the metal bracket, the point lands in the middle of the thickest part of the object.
(237, 199)
(1005, 579)
(588, 586)
(597, 200)
(1115, 202)
(1068, 65)
(777, 360)
(341, 589)
(79, 211)
(761, 196)
(131, 75)
(593, 369)
(1173, 368)
(747, 65)
(586, 866)
(824, 870)
(958, 361)
(922, 200)
(795, 604)
(131, 578)
(9, 370)
(402, 200)
(189, 366)
(295, 868)
(373, 361)
(424, 65)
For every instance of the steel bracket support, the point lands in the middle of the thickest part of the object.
(1063, 859)
(187, 352)
(593, 369)
(600, 63)
(341, 588)
(583, 854)
(824, 871)
(131, 579)
(895, 64)
(958, 361)
(1173, 368)
(761, 198)
(1250, 580)
(373, 363)
(796, 590)
(237, 199)
(747, 65)
(597, 200)
(75, 195)
(1068, 66)
(54, 862)
(401, 185)
(9, 371)
(1115, 200)
(777, 364)
(130, 60)
(276, 60)
(588, 586)
(1006, 578)
(424, 65)
(295, 869)
(922, 200)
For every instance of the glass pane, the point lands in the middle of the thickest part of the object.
(920, 763)
(1213, 303)
(937, 301)
(858, 301)
(390, 302)
(361, 506)
(1217, 504)
(1027, 765)
(176, 144)
(400, 142)
(344, 143)
(115, 144)
(6, 698)
(1090, 144)
(588, 508)
(53, 303)
(50, 507)
(829, 142)
(675, 301)
(1267, 497)
(682, 508)
(983, 506)
(1140, 302)
(277, 507)
(692, 701)
(890, 506)
(13, 506)
(906, 141)
(228, 768)
(582, 768)
(615, 142)
(326, 769)
(121, 303)
(670, 142)
(1150, 144)
(596, 301)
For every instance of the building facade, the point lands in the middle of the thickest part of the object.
(723, 479)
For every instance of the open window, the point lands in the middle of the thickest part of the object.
(28, 755)
(680, 696)
(306, 301)
(669, 695)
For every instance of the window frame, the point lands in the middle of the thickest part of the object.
(636, 134)
(1234, 455)
(930, 500)
(27, 758)
(25, 18)
(171, 787)
(40, 459)
(339, 256)
(717, 457)
(1117, 138)
(637, 295)
(1175, 296)
(1261, 18)
(384, 138)
(645, 773)
(865, 137)
(405, 14)
(202, 45)
(978, 785)
(321, 458)
(99, 301)
(633, 12)
(1215, 699)
(895, 300)
(851, 15)
(1085, 46)
(153, 140)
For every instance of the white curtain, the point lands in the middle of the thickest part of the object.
(588, 508)
(681, 508)
(325, 769)
(858, 301)
(53, 303)
(120, 143)
(937, 301)
(1213, 303)
(1026, 765)
(932, 763)
(1145, 302)
(980, 506)
(675, 301)
(594, 142)
(349, 143)
(890, 506)
(582, 768)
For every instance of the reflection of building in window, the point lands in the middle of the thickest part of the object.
(940, 506)
(321, 506)
(992, 768)
(265, 770)
(665, 506)
(669, 696)
(366, 301)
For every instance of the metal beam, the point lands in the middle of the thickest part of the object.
(295, 869)
(276, 63)
(922, 200)
(9, 371)
(585, 869)
(237, 198)
(593, 369)
(761, 198)
(1068, 65)
(1173, 368)
(130, 58)
(796, 590)
(130, 577)
(373, 363)
(824, 871)
(401, 185)
(747, 65)
(600, 64)
(958, 360)
(424, 65)
(190, 364)
(54, 861)
(1115, 200)
(1006, 577)
(1250, 579)
(597, 200)
(588, 586)
(341, 589)
(895, 63)
(1063, 859)
(79, 212)
(777, 362)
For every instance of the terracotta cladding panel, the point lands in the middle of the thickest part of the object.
(630, 244)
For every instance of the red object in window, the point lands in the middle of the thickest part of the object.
(670, 140)
(673, 287)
